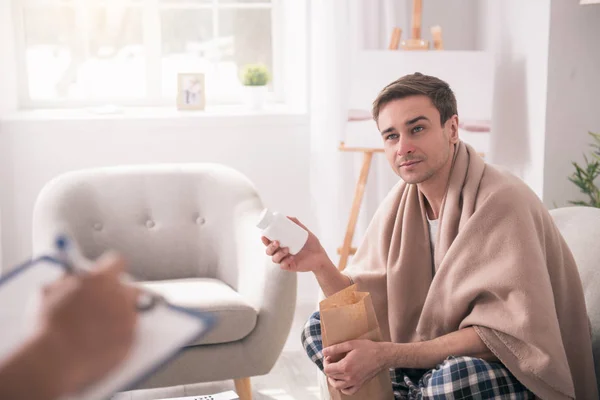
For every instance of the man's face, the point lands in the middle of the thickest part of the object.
(416, 145)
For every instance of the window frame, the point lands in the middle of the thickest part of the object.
(152, 45)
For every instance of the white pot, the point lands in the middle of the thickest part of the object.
(255, 96)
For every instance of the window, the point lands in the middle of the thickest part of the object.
(128, 52)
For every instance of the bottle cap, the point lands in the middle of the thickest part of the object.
(265, 219)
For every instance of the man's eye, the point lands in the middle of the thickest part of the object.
(417, 129)
(392, 136)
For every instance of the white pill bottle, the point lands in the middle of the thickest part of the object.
(278, 227)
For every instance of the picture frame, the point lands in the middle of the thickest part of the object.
(191, 91)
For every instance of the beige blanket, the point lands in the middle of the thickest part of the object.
(501, 266)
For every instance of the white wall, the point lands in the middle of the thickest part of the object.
(272, 151)
(8, 85)
(517, 32)
(573, 106)
(547, 85)
(458, 19)
(8, 88)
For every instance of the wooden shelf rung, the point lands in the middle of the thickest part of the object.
(351, 252)
(343, 147)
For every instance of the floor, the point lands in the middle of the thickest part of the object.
(293, 377)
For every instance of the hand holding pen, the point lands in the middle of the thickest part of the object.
(86, 326)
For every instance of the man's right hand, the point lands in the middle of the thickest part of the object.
(312, 257)
(309, 259)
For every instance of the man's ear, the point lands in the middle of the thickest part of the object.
(452, 127)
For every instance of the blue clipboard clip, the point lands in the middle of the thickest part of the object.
(146, 300)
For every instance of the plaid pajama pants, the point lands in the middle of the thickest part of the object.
(455, 378)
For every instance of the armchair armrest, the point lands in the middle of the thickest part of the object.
(266, 287)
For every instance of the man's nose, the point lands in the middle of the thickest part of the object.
(405, 146)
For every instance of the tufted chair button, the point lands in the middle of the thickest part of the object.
(98, 226)
(150, 224)
(200, 221)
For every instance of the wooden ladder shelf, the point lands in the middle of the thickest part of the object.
(347, 250)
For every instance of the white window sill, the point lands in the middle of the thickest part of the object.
(272, 114)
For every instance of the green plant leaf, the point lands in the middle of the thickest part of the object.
(579, 203)
(255, 75)
(585, 175)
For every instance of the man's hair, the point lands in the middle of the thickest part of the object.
(417, 84)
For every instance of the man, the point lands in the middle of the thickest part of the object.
(475, 290)
(86, 328)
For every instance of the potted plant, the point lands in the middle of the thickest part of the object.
(255, 78)
(585, 176)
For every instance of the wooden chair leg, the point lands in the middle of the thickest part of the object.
(243, 388)
(355, 210)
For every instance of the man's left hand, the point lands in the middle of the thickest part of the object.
(350, 364)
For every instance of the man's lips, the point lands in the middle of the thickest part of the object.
(409, 163)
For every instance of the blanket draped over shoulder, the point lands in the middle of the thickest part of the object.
(501, 266)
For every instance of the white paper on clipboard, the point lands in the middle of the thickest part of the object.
(161, 332)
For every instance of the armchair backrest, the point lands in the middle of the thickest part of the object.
(170, 221)
(580, 227)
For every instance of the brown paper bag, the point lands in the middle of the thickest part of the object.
(349, 315)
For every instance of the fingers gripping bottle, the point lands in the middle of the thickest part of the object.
(276, 226)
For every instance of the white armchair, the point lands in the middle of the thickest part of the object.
(580, 227)
(188, 232)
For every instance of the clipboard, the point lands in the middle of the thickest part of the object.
(163, 329)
